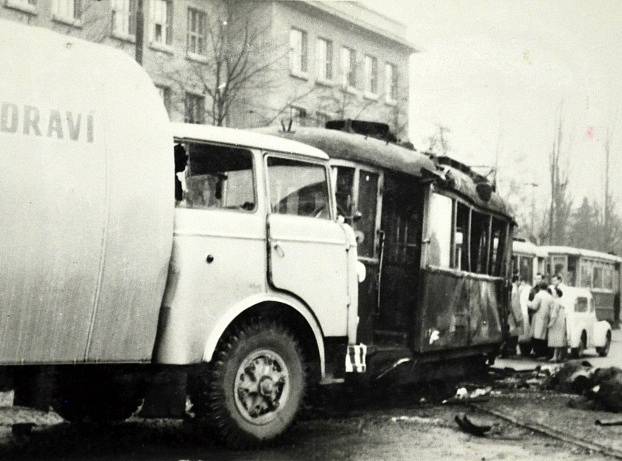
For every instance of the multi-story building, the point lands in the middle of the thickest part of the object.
(250, 63)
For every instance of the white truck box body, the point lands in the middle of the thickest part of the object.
(86, 201)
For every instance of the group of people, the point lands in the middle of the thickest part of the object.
(546, 325)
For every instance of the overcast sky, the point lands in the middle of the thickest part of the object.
(496, 73)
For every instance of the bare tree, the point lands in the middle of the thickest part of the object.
(240, 60)
(438, 142)
(560, 207)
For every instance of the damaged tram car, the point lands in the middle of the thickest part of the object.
(435, 239)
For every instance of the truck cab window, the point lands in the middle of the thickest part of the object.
(298, 188)
(215, 176)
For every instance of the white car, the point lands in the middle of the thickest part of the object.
(582, 328)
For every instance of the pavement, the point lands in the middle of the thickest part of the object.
(614, 358)
(392, 425)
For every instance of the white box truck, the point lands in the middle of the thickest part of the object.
(150, 264)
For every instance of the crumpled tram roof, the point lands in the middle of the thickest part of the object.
(377, 153)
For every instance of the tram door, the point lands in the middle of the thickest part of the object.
(401, 228)
(359, 191)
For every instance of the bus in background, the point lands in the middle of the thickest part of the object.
(600, 272)
(435, 239)
(528, 260)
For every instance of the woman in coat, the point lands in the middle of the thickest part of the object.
(557, 327)
(541, 307)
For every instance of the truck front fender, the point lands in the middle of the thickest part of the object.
(247, 304)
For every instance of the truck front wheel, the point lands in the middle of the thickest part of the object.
(254, 385)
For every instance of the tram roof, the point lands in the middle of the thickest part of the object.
(528, 248)
(564, 250)
(381, 154)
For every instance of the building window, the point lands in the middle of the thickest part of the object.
(194, 108)
(196, 31)
(324, 57)
(27, 6)
(165, 94)
(321, 118)
(299, 115)
(161, 22)
(124, 17)
(70, 10)
(371, 74)
(390, 82)
(348, 67)
(298, 53)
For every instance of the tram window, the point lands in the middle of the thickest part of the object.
(367, 206)
(558, 264)
(526, 269)
(598, 277)
(343, 192)
(480, 229)
(571, 275)
(607, 278)
(586, 274)
(441, 210)
(461, 254)
(497, 249)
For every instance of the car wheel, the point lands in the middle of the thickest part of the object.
(603, 351)
(254, 386)
(577, 352)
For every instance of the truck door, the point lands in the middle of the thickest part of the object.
(307, 249)
(219, 244)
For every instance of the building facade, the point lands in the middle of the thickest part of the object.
(249, 63)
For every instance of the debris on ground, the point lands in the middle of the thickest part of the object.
(508, 378)
(601, 386)
(470, 426)
(418, 420)
(463, 395)
(609, 422)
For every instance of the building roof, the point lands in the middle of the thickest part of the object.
(359, 15)
(245, 138)
(553, 249)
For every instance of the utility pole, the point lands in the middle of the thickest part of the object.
(140, 31)
(533, 186)
(606, 216)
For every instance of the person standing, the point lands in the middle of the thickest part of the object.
(515, 318)
(557, 327)
(541, 307)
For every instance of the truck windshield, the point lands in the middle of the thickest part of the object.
(215, 176)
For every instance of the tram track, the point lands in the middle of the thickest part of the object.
(549, 431)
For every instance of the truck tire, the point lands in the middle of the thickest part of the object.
(253, 387)
(96, 400)
(603, 351)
